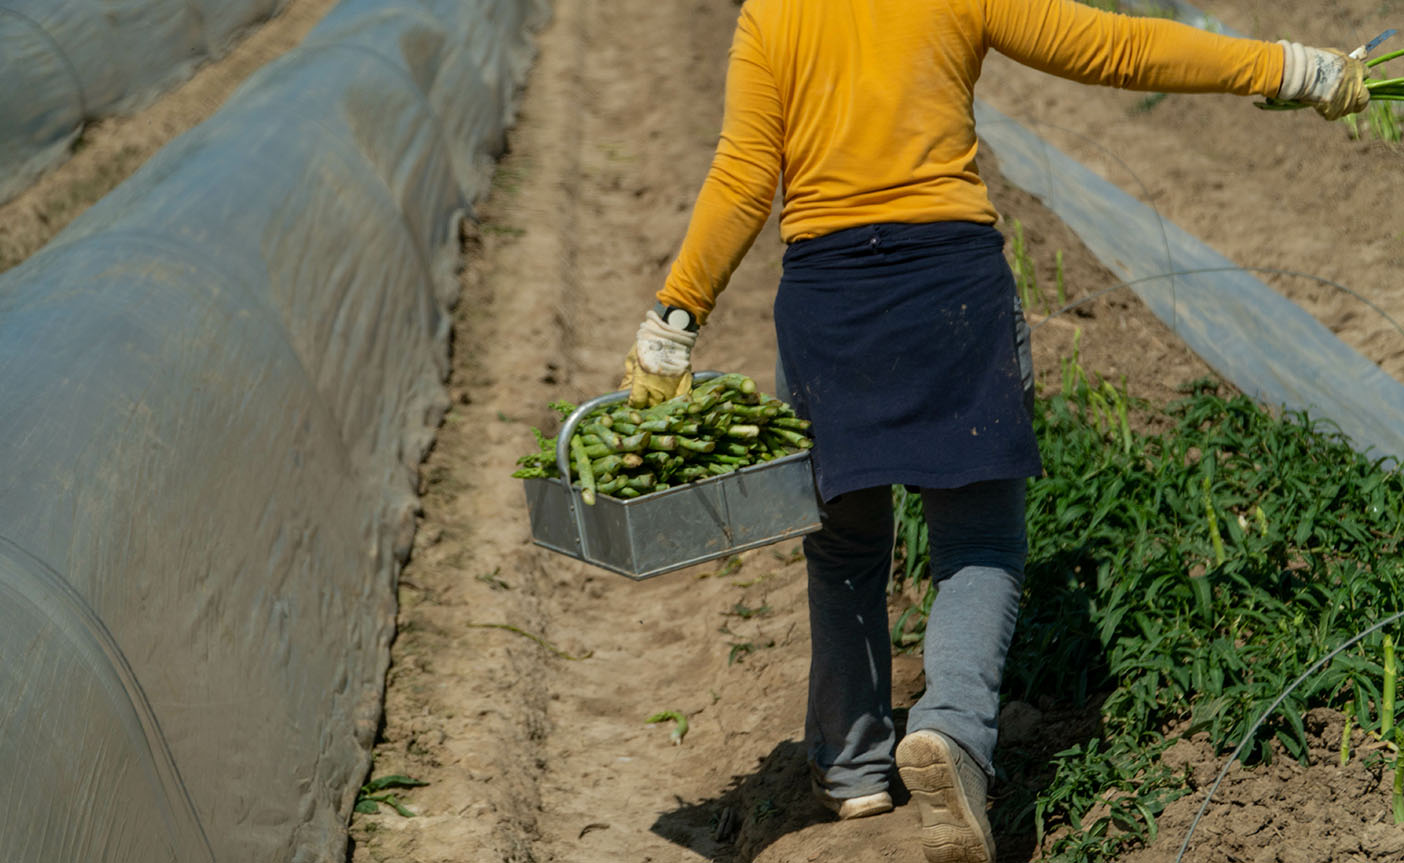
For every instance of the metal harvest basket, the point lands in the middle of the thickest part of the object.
(677, 527)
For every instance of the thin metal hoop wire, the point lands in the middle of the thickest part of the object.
(63, 58)
(1253, 729)
(1272, 271)
(1044, 147)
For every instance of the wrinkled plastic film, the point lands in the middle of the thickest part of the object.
(121, 728)
(67, 62)
(219, 381)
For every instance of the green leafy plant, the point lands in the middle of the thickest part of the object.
(373, 794)
(745, 612)
(1148, 103)
(507, 627)
(1182, 580)
(742, 649)
(764, 810)
(491, 579)
(731, 567)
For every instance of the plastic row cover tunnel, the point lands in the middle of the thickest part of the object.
(218, 383)
(66, 62)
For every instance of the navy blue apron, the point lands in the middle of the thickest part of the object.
(898, 341)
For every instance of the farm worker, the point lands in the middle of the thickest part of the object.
(901, 339)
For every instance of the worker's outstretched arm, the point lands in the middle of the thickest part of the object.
(1075, 41)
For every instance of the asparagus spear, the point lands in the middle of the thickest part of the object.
(723, 425)
(587, 474)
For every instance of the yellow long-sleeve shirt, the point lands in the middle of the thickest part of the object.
(865, 108)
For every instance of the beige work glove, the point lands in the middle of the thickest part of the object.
(1324, 78)
(659, 365)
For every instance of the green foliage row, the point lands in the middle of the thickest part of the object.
(1185, 578)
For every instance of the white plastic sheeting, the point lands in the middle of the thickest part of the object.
(66, 62)
(217, 384)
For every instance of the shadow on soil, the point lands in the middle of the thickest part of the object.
(752, 812)
(757, 809)
(1056, 664)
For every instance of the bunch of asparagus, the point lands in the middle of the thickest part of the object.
(624, 452)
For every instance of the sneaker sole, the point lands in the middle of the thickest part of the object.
(950, 832)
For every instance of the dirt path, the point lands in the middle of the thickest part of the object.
(109, 150)
(540, 752)
(534, 756)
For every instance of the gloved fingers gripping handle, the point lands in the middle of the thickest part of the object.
(647, 389)
(659, 366)
(662, 348)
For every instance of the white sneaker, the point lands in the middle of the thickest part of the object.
(949, 790)
(852, 807)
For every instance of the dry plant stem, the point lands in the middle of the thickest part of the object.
(536, 638)
(679, 729)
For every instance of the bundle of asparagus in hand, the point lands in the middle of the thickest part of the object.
(625, 452)
(1379, 90)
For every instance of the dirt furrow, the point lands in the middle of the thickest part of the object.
(466, 705)
(531, 756)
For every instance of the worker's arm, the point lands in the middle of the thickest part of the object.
(730, 211)
(1075, 41)
(735, 198)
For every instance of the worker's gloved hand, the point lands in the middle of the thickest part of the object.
(1324, 78)
(659, 365)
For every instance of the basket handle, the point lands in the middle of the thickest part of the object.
(563, 456)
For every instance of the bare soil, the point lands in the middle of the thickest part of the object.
(533, 756)
(521, 680)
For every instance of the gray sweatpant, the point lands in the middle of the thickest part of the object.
(978, 546)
